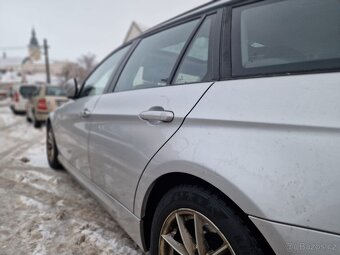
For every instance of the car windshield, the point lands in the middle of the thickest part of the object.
(55, 91)
(27, 91)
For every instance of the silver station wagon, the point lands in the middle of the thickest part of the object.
(215, 132)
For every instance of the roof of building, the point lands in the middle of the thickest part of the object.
(40, 78)
(134, 30)
(10, 62)
(33, 41)
(10, 77)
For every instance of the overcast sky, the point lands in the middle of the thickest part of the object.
(75, 27)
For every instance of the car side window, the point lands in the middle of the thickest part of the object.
(285, 36)
(97, 81)
(194, 66)
(151, 63)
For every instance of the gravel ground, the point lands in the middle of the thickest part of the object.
(44, 211)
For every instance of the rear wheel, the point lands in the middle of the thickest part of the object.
(13, 110)
(28, 118)
(51, 149)
(36, 123)
(190, 220)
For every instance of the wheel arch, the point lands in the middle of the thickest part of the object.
(50, 119)
(170, 180)
(50, 123)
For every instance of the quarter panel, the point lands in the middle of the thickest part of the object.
(271, 145)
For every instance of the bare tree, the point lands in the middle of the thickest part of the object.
(87, 62)
(69, 71)
(79, 70)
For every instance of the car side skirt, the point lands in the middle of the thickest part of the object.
(127, 220)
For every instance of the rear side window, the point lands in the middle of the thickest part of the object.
(286, 36)
(27, 91)
(154, 58)
(194, 66)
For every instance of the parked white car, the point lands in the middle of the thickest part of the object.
(19, 97)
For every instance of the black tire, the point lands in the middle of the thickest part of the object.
(13, 110)
(51, 147)
(36, 123)
(240, 237)
(28, 119)
(27, 116)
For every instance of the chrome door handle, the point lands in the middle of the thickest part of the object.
(154, 115)
(85, 113)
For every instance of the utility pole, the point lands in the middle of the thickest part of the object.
(47, 63)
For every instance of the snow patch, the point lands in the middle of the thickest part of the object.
(93, 235)
(6, 120)
(40, 250)
(37, 156)
(38, 180)
(35, 175)
(60, 203)
(32, 202)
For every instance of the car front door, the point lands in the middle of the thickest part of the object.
(131, 124)
(72, 128)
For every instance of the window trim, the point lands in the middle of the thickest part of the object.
(113, 82)
(225, 45)
(237, 71)
(184, 50)
(214, 48)
(200, 18)
(99, 64)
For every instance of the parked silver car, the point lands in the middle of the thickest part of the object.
(216, 132)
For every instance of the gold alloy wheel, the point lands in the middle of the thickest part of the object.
(50, 145)
(188, 232)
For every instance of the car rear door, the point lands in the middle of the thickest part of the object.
(131, 124)
(71, 126)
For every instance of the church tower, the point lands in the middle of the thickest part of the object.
(33, 47)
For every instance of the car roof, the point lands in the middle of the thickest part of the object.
(197, 10)
(26, 85)
(52, 86)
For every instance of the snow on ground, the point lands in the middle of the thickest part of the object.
(6, 119)
(34, 155)
(44, 211)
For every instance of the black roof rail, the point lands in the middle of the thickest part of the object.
(187, 12)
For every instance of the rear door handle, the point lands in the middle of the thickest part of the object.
(157, 115)
(85, 113)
